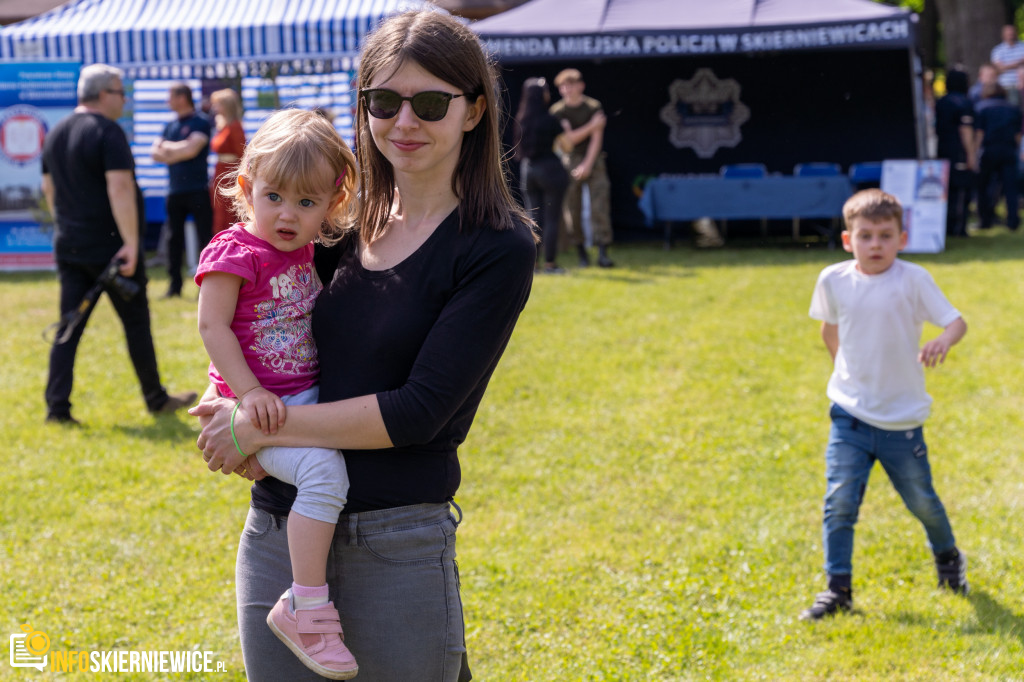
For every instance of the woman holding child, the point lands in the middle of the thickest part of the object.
(417, 307)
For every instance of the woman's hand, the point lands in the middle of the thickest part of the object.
(215, 440)
(252, 469)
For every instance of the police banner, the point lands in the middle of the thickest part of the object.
(880, 33)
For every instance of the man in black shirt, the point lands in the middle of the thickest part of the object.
(89, 184)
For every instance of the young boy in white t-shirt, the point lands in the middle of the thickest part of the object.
(873, 308)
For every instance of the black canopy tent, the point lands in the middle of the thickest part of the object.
(690, 86)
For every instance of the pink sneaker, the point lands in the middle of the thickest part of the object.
(314, 635)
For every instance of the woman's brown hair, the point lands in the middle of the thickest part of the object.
(447, 49)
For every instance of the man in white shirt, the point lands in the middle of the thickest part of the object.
(1007, 56)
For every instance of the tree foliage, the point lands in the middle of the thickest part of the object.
(960, 32)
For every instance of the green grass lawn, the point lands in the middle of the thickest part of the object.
(642, 486)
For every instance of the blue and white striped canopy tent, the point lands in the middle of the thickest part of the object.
(193, 38)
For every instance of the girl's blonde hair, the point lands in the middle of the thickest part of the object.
(228, 101)
(301, 150)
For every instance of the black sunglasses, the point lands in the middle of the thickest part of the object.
(428, 106)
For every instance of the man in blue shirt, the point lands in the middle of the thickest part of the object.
(184, 147)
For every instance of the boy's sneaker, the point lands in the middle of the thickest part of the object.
(314, 635)
(828, 603)
(953, 574)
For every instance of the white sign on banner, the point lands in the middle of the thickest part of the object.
(922, 187)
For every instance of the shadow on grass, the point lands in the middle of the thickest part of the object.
(997, 245)
(994, 617)
(637, 275)
(659, 272)
(19, 276)
(178, 428)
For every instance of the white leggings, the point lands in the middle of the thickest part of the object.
(318, 473)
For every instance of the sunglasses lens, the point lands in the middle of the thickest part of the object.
(430, 106)
(383, 103)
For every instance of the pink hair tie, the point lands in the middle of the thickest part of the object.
(337, 183)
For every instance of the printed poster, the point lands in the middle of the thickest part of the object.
(33, 98)
(922, 187)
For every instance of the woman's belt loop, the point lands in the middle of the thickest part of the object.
(458, 520)
(353, 530)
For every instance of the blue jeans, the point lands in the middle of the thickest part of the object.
(393, 579)
(853, 447)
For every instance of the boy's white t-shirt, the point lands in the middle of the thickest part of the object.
(877, 377)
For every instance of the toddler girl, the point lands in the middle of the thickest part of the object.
(295, 183)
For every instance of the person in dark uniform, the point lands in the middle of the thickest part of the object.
(997, 126)
(184, 147)
(954, 130)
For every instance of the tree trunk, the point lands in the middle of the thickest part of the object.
(970, 31)
(928, 35)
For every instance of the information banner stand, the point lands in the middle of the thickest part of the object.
(922, 187)
(34, 97)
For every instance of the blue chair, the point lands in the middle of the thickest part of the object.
(817, 170)
(867, 174)
(744, 170)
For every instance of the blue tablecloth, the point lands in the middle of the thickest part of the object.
(775, 196)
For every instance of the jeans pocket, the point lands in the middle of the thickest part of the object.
(422, 544)
(917, 446)
(257, 523)
(841, 417)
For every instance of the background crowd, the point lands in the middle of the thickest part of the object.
(978, 128)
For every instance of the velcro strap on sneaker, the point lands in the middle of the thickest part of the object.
(323, 620)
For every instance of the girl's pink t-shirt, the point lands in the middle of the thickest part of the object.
(275, 305)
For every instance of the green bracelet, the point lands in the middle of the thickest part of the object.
(233, 437)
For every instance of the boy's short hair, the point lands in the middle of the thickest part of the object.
(567, 75)
(874, 205)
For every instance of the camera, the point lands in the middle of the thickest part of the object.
(112, 279)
